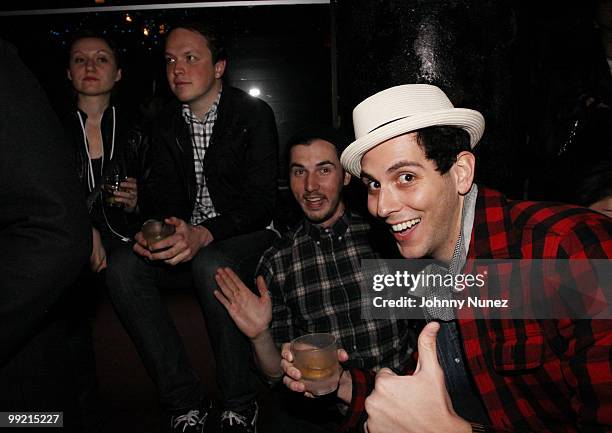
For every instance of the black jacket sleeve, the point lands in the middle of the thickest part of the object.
(45, 238)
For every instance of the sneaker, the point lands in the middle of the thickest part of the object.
(192, 421)
(243, 421)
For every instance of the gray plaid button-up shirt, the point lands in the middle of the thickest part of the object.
(314, 278)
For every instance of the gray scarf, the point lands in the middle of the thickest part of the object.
(456, 264)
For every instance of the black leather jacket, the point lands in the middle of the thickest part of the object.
(240, 166)
(131, 143)
(130, 149)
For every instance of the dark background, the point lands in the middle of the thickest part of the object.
(528, 68)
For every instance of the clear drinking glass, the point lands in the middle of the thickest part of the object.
(111, 183)
(156, 230)
(316, 356)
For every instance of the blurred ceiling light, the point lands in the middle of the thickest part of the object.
(254, 91)
(128, 18)
(145, 31)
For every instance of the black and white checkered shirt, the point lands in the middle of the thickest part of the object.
(201, 131)
(314, 278)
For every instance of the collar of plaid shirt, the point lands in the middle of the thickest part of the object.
(337, 229)
(192, 118)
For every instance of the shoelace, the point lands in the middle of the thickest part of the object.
(191, 418)
(233, 416)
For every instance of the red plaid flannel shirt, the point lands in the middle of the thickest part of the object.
(539, 376)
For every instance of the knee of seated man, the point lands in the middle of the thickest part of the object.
(204, 265)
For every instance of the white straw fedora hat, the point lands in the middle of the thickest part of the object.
(402, 109)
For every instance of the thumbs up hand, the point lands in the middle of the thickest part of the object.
(417, 403)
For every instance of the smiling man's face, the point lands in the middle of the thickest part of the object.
(316, 180)
(421, 206)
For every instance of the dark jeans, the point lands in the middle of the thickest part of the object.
(133, 285)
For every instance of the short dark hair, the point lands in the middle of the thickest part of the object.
(307, 136)
(214, 39)
(95, 34)
(442, 144)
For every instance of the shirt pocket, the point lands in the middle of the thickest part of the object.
(516, 353)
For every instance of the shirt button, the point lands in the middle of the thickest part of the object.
(458, 360)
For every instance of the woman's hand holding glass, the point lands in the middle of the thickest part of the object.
(127, 194)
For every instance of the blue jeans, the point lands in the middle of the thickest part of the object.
(134, 288)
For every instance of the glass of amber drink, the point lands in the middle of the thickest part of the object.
(316, 356)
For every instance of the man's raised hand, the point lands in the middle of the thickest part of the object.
(251, 313)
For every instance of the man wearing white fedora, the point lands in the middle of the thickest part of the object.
(413, 152)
